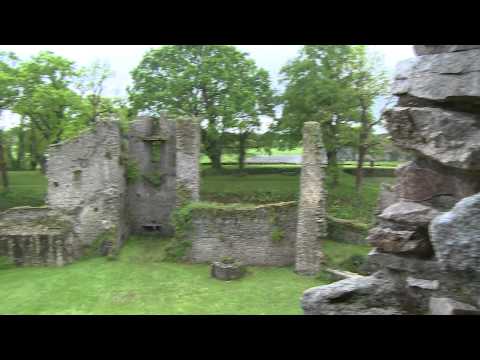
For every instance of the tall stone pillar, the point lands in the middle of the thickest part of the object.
(312, 225)
(188, 142)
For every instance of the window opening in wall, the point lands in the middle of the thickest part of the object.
(77, 175)
(156, 151)
(152, 227)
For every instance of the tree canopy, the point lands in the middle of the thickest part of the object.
(217, 83)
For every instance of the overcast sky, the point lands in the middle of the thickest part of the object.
(124, 58)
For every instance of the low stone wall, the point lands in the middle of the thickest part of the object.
(37, 236)
(346, 231)
(255, 235)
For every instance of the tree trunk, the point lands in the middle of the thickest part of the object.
(216, 158)
(359, 173)
(33, 150)
(333, 166)
(242, 150)
(43, 163)
(362, 146)
(21, 146)
(3, 164)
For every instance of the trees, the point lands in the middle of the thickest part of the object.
(55, 101)
(8, 94)
(91, 83)
(216, 83)
(336, 86)
(369, 81)
(318, 88)
(3, 164)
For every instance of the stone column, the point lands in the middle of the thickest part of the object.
(188, 160)
(312, 225)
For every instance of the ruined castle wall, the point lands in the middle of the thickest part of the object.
(262, 235)
(152, 152)
(166, 154)
(37, 236)
(188, 144)
(312, 222)
(87, 180)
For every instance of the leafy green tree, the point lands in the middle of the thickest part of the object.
(91, 83)
(216, 83)
(8, 95)
(319, 88)
(48, 101)
(369, 81)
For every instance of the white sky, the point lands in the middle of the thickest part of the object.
(124, 58)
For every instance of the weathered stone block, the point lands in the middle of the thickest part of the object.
(409, 213)
(367, 295)
(422, 283)
(449, 137)
(377, 260)
(433, 184)
(399, 242)
(437, 49)
(455, 236)
(451, 78)
(446, 306)
(223, 271)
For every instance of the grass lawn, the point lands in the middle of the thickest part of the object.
(140, 282)
(343, 200)
(27, 188)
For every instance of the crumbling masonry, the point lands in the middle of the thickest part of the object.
(90, 204)
(427, 238)
(312, 221)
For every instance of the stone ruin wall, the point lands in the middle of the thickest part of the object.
(264, 235)
(86, 179)
(152, 203)
(88, 199)
(175, 167)
(36, 236)
(427, 237)
(188, 144)
(312, 219)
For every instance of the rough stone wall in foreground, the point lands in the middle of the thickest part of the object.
(86, 179)
(312, 222)
(427, 236)
(264, 235)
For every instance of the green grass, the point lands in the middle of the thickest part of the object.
(26, 188)
(343, 200)
(29, 189)
(339, 255)
(140, 282)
